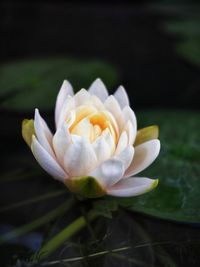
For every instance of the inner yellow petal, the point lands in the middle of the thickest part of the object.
(90, 122)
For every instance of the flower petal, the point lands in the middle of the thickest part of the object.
(67, 107)
(80, 158)
(61, 141)
(131, 132)
(109, 172)
(145, 154)
(82, 97)
(98, 88)
(47, 162)
(109, 139)
(113, 106)
(65, 90)
(102, 149)
(122, 143)
(133, 186)
(146, 134)
(83, 128)
(126, 156)
(43, 133)
(122, 97)
(128, 114)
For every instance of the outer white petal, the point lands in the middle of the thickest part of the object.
(67, 107)
(113, 106)
(122, 143)
(80, 158)
(126, 156)
(109, 172)
(61, 141)
(102, 149)
(47, 162)
(122, 97)
(132, 187)
(131, 132)
(65, 90)
(98, 89)
(82, 97)
(129, 115)
(145, 154)
(43, 133)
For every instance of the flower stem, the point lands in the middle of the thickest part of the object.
(38, 222)
(63, 235)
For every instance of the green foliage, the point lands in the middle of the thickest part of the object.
(25, 85)
(178, 168)
(185, 27)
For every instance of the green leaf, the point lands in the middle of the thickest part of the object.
(25, 85)
(186, 26)
(177, 196)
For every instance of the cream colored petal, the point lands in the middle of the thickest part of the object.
(98, 89)
(109, 139)
(131, 132)
(61, 141)
(82, 97)
(65, 90)
(109, 172)
(97, 103)
(102, 149)
(113, 106)
(67, 107)
(83, 128)
(47, 162)
(129, 115)
(145, 154)
(80, 158)
(133, 186)
(122, 143)
(113, 121)
(122, 97)
(43, 133)
(126, 156)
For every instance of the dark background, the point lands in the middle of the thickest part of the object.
(130, 36)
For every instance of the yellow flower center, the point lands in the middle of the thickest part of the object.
(91, 123)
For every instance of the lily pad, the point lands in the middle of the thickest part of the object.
(25, 85)
(177, 196)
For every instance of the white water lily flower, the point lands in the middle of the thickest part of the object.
(96, 148)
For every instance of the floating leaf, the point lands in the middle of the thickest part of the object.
(177, 196)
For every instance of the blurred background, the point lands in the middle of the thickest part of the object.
(150, 47)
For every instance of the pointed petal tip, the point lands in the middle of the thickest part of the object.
(153, 185)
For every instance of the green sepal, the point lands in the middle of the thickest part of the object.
(146, 134)
(28, 130)
(85, 186)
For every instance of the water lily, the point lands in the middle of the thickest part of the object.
(96, 148)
